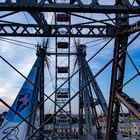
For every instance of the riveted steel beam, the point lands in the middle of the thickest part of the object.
(45, 6)
(32, 30)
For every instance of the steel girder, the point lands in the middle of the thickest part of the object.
(81, 118)
(42, 54)
(56, 30)
(130, 103)
(116, 81)
(84, 100)
(118, 68)
(87, 108)
(100, 98)
(75, 6)
(132, 28)
(116, 94)
(40, 19)
(42, 30)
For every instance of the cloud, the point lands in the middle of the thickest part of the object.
(8, 100)
(20, 57)
(10, 81)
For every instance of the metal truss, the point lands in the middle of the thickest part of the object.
(40, 19)
(86, 104)
(118, 70)
(36, 30)
(100, 98)
(130, 103)
(84, 94)
(86, 100)
(116, 81)
(71, 6)
(132, 28)
(56, 30)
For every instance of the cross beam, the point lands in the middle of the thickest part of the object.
(33, 30)
(132, 28)
(130, 103)
(40, 19)
(47, 6)
(36, 30)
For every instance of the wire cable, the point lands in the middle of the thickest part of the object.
(20, 45)
(8, 14)
(28, 43)
(137, 70)
(29, 23)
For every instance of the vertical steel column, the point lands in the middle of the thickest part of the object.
(80, 107)
(118, 68)
(42, 51)
(81, 120)
(38, 96)
(69, 90)
(85, 96)
(54, 119)
(97, 91)
(93, 104)
(88, 112)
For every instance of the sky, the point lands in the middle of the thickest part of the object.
(23, 58)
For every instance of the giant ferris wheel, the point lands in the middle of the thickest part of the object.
(85, 69)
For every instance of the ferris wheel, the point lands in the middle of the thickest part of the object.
(85, 73)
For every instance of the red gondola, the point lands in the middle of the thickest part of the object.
(62, 18)
(63, 45)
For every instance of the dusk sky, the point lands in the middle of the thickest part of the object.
(23, 58)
